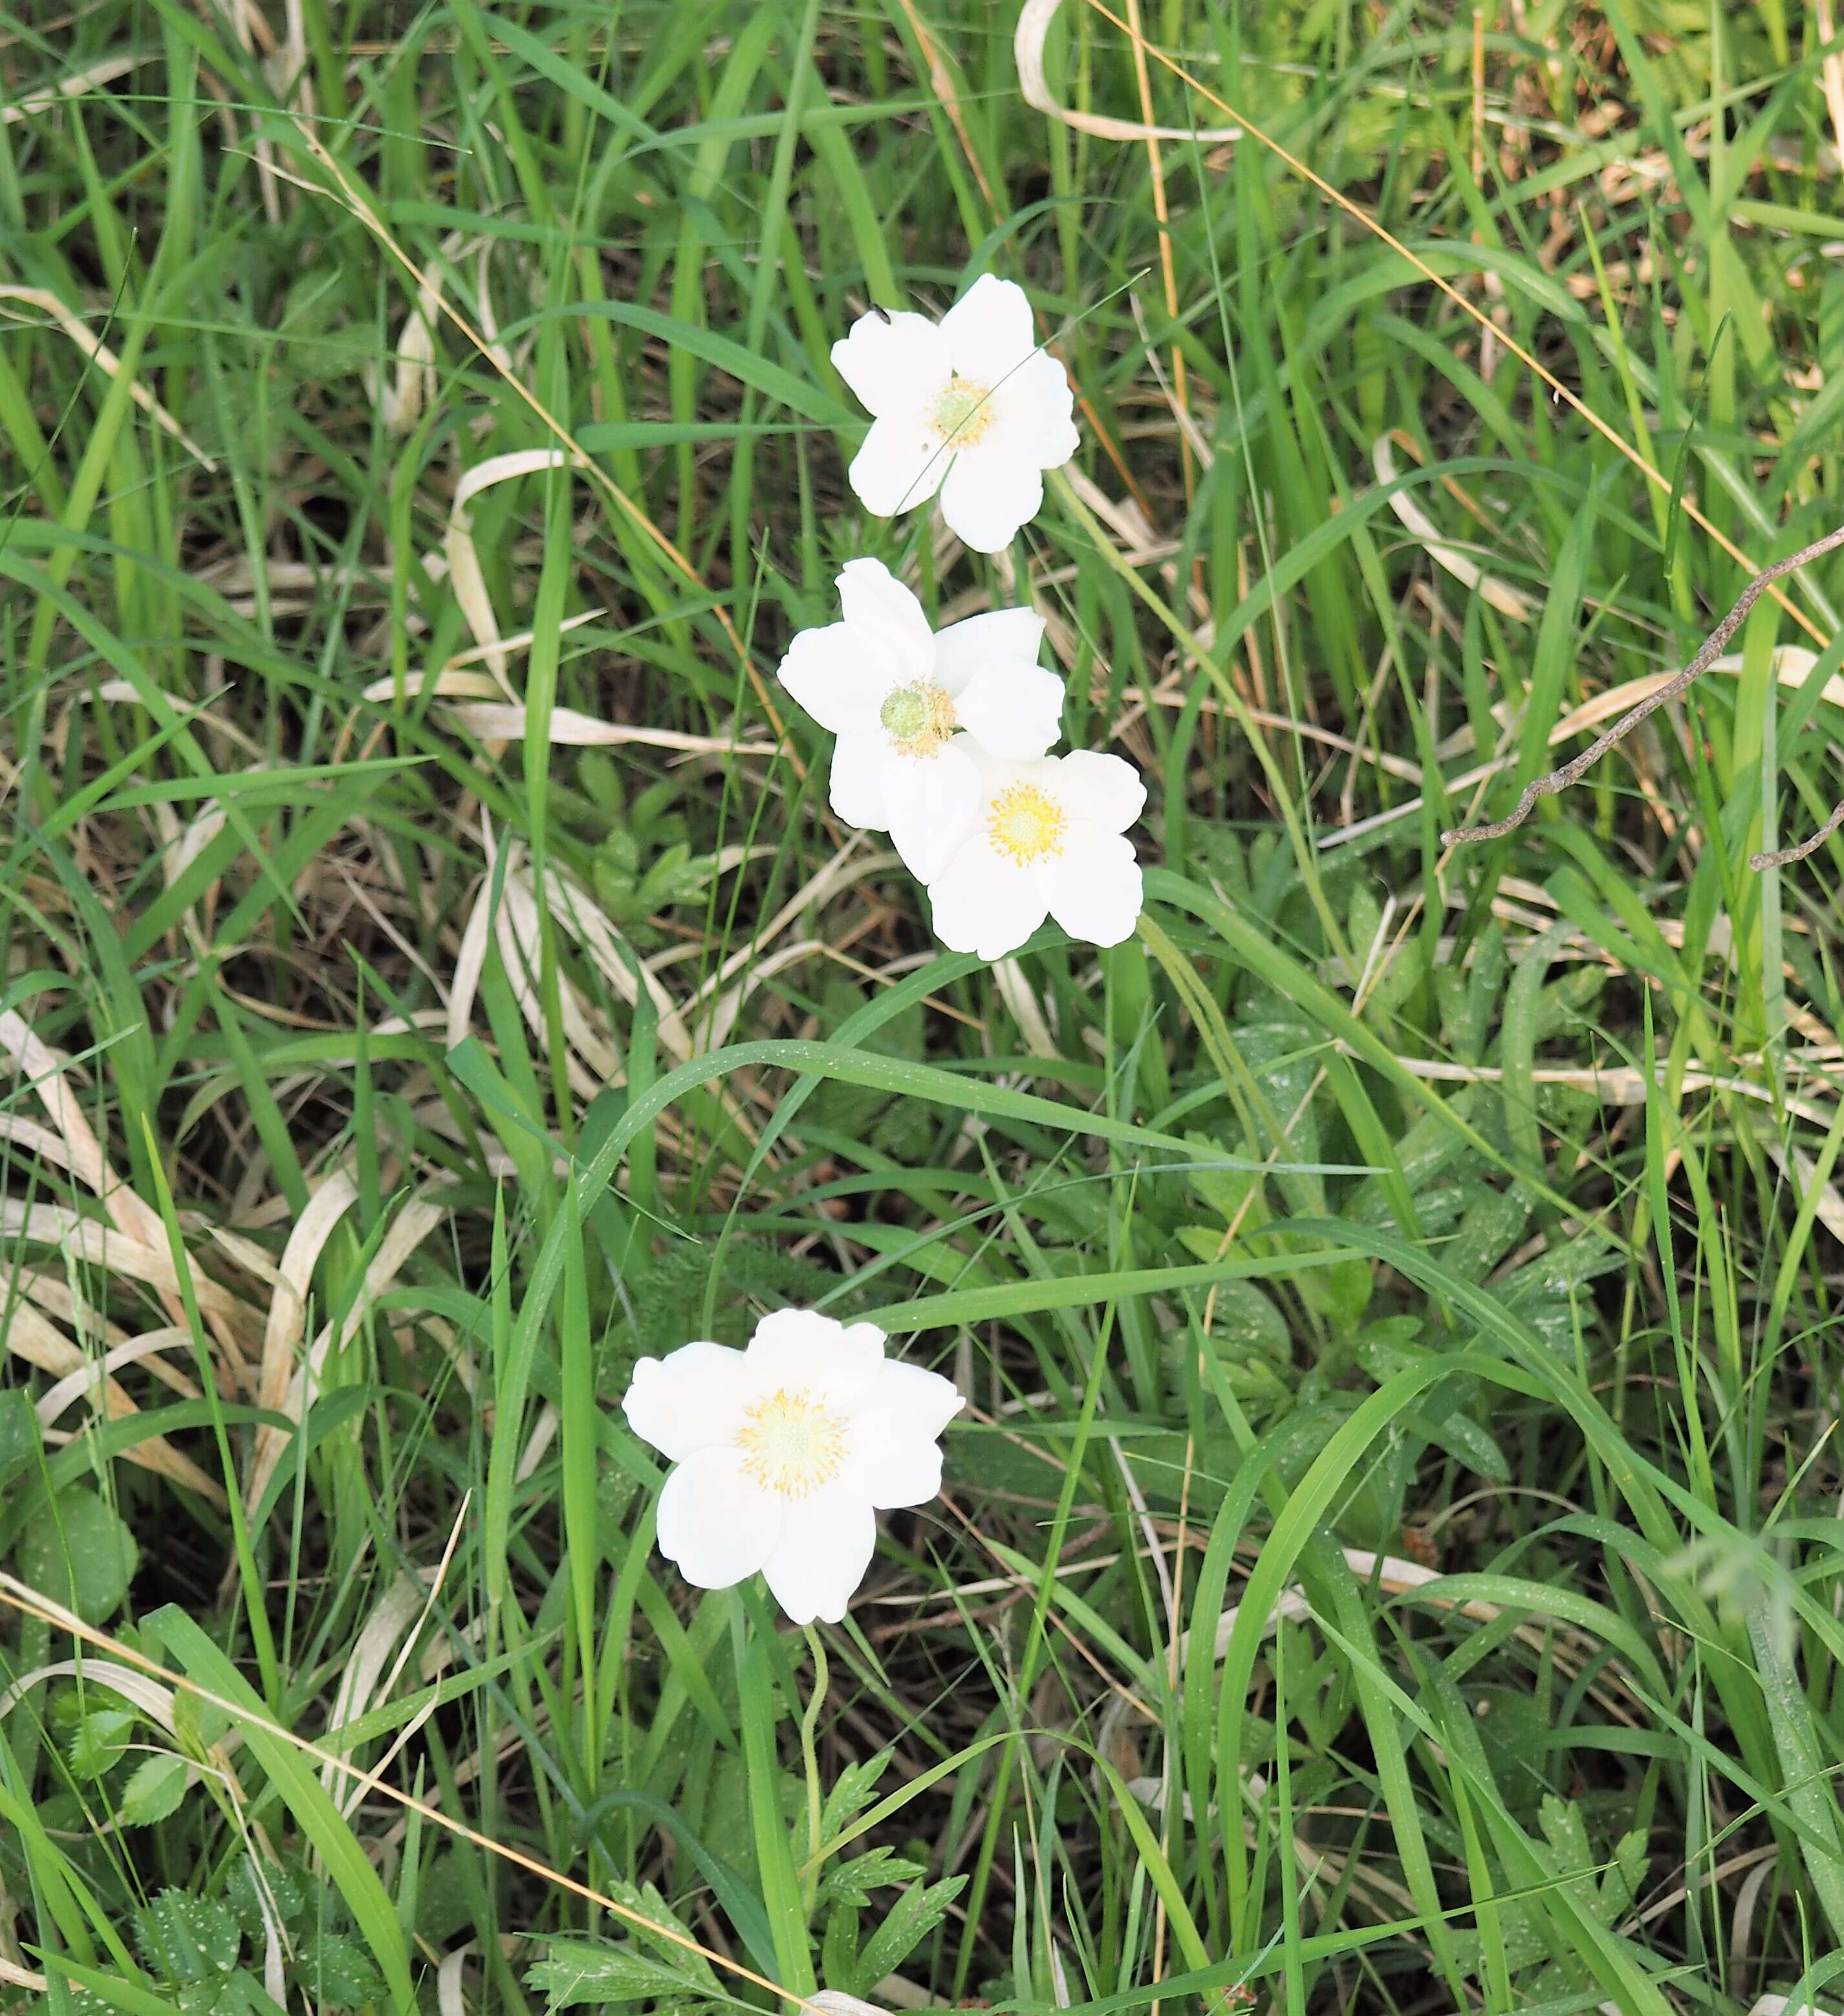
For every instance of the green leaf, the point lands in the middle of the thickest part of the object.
(772, 380)
(187, 1939)
(337, 1971)
(575, 1972)
(852, 1791)
(18, 1433)
(852, 1882)
(155, 1788)
(79, 1553)
(286, 1893)
(917, 1913)
(301, 1794)
(100, 1740)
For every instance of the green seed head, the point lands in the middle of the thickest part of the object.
(918, 719)
(963, 413)
(904, 715)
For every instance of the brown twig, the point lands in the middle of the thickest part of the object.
(1573, 772)
(1784, 857)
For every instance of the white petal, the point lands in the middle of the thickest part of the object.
(1102, 790)
(716, 1525)
(1013, 708)
(1037, 408)
(894, 362)
(964, 647)
(988, 332)
(825, 1545)
(840, 675)
(984, 903)
(859, 763)
(893, 1462)
(877, 604)
(900, 466)
(1094, 886)
(922, 1399)
(988, 494)
(805, 1352)
(933, 802)
(693, 1396)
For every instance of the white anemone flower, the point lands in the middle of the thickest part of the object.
(786, 1452)
(1048, 840)
(894, 692)
(969, 406)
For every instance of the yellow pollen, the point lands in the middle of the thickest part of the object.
(918, 719)
(1026, 824)
(963, 412)
(792, 1444)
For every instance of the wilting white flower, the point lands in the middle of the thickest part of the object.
(786, 1452)
(894, 692)
(968, 405)
(1048, 840)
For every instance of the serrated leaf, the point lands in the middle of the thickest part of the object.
(917, 1913)
(155, 1788)
(689, 1965)
(335, 1971)
(101, 1738)
(1463, 1439)
(576, 1972)
(187, 1939)
(1243, 1320)
(287, 1893)
(852, 1791)
(852, 1882)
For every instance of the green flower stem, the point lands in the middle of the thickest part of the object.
(809, 1723)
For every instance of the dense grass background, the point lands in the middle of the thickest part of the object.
(433, 978)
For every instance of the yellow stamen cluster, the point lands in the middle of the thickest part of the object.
(1026, 823)
(791, 1444)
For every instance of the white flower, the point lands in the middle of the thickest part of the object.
(786, 1453)
(1048, 840)
(894, 692)
(968, 405)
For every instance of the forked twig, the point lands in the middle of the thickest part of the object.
(1573, 771)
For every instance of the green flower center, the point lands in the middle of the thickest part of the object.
(963, 412)
(918, 719)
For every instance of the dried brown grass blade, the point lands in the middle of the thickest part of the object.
(31, 1337)
(105, 360)
(1034, 28)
